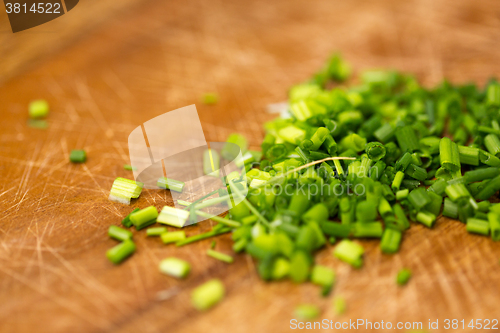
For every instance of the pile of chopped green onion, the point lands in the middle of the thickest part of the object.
(412, 149)
(344, 163)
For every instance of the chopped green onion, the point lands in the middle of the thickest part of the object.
(419, 198)
(438, 186)
(211, 202)
(478, 226)
(350, 252)
(126, 221)
(434, 206)
(246, 159)
(121, 251)
(257, 252)
(457, 191)
(324, 277)
(403, 162)
(492, 143)
(377, 170)
(128, 167)
(210, 98)
(202, 236)
(249, 219)
(184, 203)
(403, 276)
(155, 231)
(119, 233)
(460, 137)
(336, 229)
(448, 154)
(353, 141)
(489, 189)
(494, 224)
(228, 152)
(301, 110)
(172, 237)
(387, 192)
(402, 194)
(38, 109)
(175, 267)
(493, 95)
(170, 184)
(416, 172)
(350, 118)
(318, 138)
(220, 256)
(385, 133)
(468, 155)
(280, 269)
(489, 159)
(401, 216)
(277, 152)
(78, 156)
(375, 151)
(367, 229)
(207, 295)
(125, 189)
(481, 174)
(173, 216)
(366, 211)
(240, 245)
(318, 213)
(330, 145)
(390, 240)
(426, 218)
(211, 163)
(300, 265)
(346, 210)
(389, 121)
(495, 208)
(486, 129)
(144, 218)
(465, 211)
(398, 179)
(339, 305)
(248, 204)
(306, 312)
(407, 139)
(292, 134)
(338, 69)
(483, 206)
(431, 144)
(227, 222)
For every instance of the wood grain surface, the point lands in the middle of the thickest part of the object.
(107, 66)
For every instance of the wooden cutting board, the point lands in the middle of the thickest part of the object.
(108, 66)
